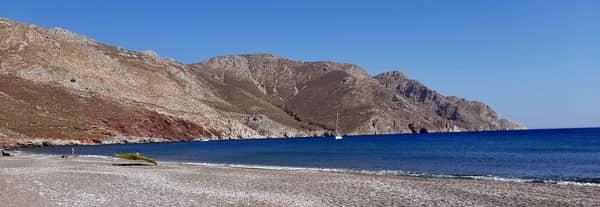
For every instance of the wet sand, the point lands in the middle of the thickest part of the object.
(47, 180)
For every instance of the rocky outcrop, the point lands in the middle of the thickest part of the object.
(312, 92)
(60, 86)
(451, 113)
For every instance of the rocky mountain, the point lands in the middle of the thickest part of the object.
(57, 87)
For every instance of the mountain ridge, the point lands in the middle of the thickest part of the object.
(107, 94)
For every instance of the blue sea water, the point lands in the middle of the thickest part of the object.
(554, 154)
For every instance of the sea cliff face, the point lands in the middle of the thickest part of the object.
(58, 87)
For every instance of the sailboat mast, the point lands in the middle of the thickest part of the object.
(337, 117)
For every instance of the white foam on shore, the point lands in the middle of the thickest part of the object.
(577, 183)
(391, 172)
(98, 156)
(265, 167)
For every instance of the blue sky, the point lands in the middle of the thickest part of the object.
(537, 62)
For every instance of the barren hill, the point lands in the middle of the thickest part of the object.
(57, 87)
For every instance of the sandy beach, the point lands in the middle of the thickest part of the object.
(47, 180)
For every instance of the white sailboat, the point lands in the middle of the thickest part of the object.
(338, 136)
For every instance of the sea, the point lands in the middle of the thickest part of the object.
(548, 155)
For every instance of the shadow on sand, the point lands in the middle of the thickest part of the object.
(132, 164)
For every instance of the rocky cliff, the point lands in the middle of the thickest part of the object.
(57, 87)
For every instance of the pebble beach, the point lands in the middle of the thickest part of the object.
(48, 180)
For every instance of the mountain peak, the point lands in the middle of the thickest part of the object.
(395, 74)
(262, 55)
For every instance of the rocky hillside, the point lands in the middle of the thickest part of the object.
(57, 87)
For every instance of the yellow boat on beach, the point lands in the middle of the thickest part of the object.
(135, 156)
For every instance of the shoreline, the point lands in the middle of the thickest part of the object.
(20, 143)
(583, 181)
(390, 173)
(107, 182)
(17, 143)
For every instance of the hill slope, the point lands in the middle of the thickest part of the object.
(57, 87)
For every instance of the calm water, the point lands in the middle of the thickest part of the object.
(560, 154)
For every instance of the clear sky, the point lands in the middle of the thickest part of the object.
(537, 62)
